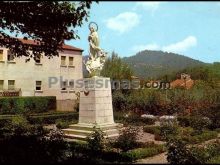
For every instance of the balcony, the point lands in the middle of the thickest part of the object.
(10, 93)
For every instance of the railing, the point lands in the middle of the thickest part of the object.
(10, 93)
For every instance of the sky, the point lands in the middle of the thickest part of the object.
(187, 28)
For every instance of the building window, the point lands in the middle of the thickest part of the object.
(11, 84)
(1, 55)
(1, 84)
(71, 61)
(63, 85)
(10, 56)
(63, 60)
(38, 85)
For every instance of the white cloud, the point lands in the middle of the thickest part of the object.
(181, 46)
(178, 47)
(123, 22)
(138, 48)
(150, 6)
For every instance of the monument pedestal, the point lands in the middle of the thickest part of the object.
(95, 109)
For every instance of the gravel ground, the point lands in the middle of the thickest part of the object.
(157, 159)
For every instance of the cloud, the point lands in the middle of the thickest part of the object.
(178, 47)
(138, 48)
(148, 6)
(181, 46)
(123, 22)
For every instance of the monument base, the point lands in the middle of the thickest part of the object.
(82, 131)
(95, 110)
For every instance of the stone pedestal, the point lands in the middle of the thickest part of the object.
(95, 109)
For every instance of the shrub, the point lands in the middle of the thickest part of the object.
(45, 118)
(152, 129)
(168, 131)
(50, 118)
(217, 130)
(199, 123)
(183, 121)
(119, 101)
(60, 124)
(127, 139)
(132, 119)
(16, 105)
(178, 153)
(141, 153)
(96, 141)
(214, 160)
(199, 138)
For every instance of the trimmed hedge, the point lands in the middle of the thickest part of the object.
(141, 153)
(36, 104)
(44, 118)
(152, 129)
(132, 119)
(206, 135)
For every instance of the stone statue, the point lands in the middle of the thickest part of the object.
(97, 56)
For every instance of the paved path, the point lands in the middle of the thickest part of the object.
(157, 159)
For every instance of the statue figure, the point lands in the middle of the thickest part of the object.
(96, 54)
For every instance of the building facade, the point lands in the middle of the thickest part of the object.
(43, 77)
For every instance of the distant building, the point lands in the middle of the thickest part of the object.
(20, 78)
(185, 81)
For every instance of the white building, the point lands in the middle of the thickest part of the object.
(18, 77)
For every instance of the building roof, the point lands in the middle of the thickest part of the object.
(64, 46)
(182, 83)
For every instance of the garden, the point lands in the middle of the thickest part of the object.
(31, 128)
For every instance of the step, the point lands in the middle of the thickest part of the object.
(83, 138)
(76, 132)
(77, 137)
(90, 128)
(87, 133)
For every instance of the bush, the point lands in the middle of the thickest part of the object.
(141, 153)
(132, 119)
(16, 105)
(96, 141)
(168, 131)
(50, 118)
(152, 129)
(199, 123)
(184, 121)
(119, 101)
(178, 153)
(45, 118)
(60, 124)
(199, 138)
(127, 139)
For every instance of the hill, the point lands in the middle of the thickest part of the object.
(153, 64)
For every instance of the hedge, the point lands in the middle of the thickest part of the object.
(133, 119)
(44, 118)
(36, 104)
(152, 129)
(206, 135)
(141, 153)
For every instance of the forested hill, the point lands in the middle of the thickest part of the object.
(152, 64)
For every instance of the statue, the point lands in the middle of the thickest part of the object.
(97, 56)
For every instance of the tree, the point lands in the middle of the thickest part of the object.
(48, 23)
(116, 69)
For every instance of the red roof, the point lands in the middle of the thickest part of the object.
(66, 47)
(181, 83)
